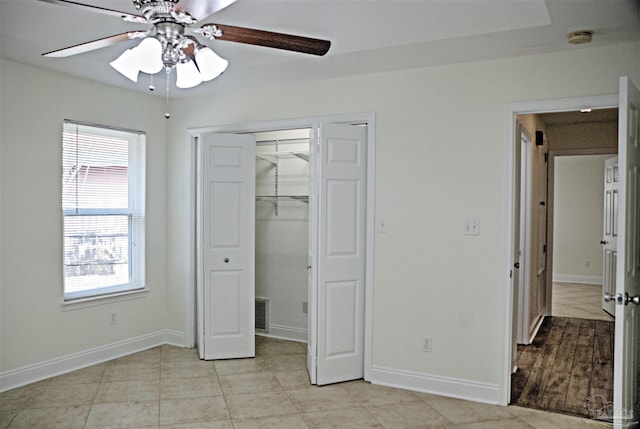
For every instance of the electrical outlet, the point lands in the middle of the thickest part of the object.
(113, 318)
(427, 344)
(305, 307)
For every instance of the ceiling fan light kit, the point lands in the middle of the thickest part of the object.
(211, 65)
(127, 65)
(187, 75)
(194, 62)
(149, 53)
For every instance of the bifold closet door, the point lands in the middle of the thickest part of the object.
(227, 246)
(341, 253)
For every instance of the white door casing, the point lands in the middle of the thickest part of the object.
(517, 263)
(610, 234)
(626, 375)
(339, 314)
(227, 236)
(510, 136)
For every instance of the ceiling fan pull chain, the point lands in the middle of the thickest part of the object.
(152, 87)
(167, 114)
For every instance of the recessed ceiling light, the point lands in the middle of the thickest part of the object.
(580, 37)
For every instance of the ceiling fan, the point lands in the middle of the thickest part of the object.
(167, 45)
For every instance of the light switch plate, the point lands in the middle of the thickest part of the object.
(471, 226)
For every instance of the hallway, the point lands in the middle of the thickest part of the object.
(571, 358)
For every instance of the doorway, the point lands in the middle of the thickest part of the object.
(569, 135)
(579, 266)
(343, 149)
(570, 359)
(282, 233)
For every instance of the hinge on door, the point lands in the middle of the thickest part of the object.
(544, 248)
(546, 157)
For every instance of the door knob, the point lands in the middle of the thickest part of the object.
(622, 299)
(226, 260)
(604, 242)
(627, 299)
(516, 265)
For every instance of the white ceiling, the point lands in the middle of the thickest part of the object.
(367, 36)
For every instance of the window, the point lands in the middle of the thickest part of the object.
(103, 202)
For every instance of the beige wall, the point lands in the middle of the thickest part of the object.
(439, 159)
(35, 327)
(578, 213)
(600, 135)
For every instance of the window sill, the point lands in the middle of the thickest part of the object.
(94, 301)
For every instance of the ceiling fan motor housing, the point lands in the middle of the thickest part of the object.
(156, 11)
(139, 4)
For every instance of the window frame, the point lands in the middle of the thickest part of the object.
(135, 210)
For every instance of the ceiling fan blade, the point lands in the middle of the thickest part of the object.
(200, 9)
(95, 44)
(98, 9)
(289, 42)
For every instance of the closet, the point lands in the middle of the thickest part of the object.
(282, 233)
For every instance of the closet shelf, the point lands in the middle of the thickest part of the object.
(273, 157)
(275, 198)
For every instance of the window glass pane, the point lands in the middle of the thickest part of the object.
(95, 171)
(96, 252)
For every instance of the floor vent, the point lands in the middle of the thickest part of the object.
(262, 315)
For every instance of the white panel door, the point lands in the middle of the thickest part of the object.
(610, 235)
(341, 253)
(228, 245)
(626, 376)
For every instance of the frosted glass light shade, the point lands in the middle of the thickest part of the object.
(149, 55)
(127, 65)
(210, 64)
(188, 75)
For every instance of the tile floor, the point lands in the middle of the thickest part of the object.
(169, 387)
(578, 300)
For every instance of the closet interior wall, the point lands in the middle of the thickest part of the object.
(282, 230)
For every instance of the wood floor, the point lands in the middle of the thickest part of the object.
(569, 361)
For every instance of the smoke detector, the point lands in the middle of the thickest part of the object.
(580, 37)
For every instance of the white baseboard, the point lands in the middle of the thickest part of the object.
(444, 386)
(570, 278)
(286, 333)
(175, 338)
(53, 367)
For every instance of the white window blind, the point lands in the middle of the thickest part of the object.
(103, 203)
